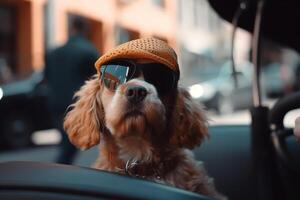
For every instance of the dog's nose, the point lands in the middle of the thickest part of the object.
(136, 94)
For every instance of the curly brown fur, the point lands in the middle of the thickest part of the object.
(154, 136)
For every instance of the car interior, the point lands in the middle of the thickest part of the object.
(259, 160)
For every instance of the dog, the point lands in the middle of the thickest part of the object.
(144, 122)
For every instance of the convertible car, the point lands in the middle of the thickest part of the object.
(259, 160)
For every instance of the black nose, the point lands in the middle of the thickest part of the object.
(136, 94)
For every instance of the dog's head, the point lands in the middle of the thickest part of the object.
(135, 99)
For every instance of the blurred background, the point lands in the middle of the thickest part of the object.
(29, 29)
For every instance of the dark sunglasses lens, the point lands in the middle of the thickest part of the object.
(161, 77)
(113, 75)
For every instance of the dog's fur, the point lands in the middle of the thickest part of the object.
(152, 137)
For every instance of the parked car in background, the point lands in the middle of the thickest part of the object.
(221, 94)
(23, 110)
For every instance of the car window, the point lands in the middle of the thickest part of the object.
(278, 70)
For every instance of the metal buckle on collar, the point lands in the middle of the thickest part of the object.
(131, 167)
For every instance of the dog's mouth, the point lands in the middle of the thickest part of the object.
(133, 113)
(134, 122)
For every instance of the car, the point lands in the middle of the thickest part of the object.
(221, 94)
(23, 106)
(41, 182)
(257, 160)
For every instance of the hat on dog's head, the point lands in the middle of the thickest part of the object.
(144, 48)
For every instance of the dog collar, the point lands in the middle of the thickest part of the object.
(139, 170)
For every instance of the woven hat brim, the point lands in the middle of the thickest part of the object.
(135, 54)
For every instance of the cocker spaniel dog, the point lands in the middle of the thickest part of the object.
(142, 120)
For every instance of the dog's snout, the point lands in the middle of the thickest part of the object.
(136, 94)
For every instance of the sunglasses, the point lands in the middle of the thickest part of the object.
(119, 72)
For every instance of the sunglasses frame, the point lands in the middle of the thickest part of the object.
(137, 68)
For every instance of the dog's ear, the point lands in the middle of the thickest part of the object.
(84, 120)
(189, 124)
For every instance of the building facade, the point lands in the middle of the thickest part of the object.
(29, 28)
(205, 39)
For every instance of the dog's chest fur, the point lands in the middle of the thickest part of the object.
(180, 170)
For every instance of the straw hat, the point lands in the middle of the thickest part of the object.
(145, 48)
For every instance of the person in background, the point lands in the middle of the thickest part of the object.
(66, 69)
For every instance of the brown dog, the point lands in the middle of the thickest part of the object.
(142, 120)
